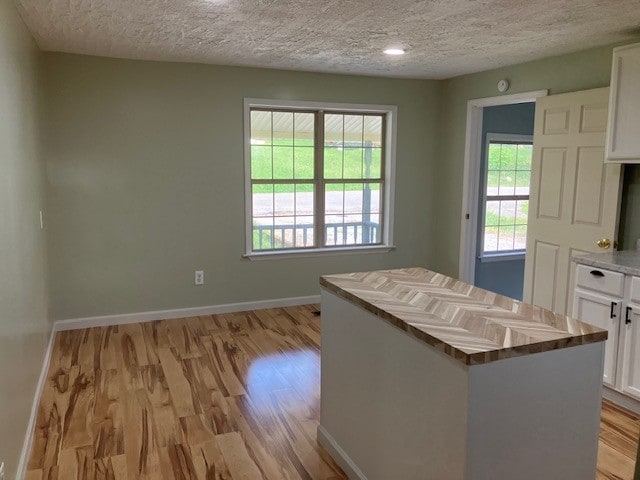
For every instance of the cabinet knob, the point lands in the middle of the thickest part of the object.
(627, 319)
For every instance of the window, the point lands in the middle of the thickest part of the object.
(506, 194)
(318, 178)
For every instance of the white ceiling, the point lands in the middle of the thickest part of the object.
(443, 38)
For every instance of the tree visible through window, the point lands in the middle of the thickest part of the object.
(507, 197)
(317, 178)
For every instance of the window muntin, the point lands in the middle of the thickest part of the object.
(317, 179)
(506, 196)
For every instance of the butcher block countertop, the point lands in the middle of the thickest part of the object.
(468, 323)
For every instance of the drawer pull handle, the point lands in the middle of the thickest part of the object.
(596, 273)
(612, 314)
(627, 320)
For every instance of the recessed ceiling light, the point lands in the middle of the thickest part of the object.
(394, 51)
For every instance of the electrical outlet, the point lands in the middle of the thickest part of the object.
(199, 280)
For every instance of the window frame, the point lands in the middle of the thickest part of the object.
(389, 113)
(504, 255)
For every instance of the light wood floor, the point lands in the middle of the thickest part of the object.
(214, 397)
(619, 431)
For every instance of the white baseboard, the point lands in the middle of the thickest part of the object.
(339, 455)
(138, 317)
(621, 399)
(42, 380)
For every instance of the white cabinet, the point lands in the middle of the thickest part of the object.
(630, 378)
(623, 141)
(604, 312)
(611, 300)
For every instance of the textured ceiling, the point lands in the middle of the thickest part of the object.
(443, 38)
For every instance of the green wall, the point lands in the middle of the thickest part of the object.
(23, 293)
(145, 175)
(567, 73)
(145, 171)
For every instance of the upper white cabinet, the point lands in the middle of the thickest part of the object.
(623, 140)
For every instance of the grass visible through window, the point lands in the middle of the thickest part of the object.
(297, 162)
(507, 196)
(290, 192)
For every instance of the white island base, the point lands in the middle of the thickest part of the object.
(395, 408)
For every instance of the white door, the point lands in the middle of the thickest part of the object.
(574, 195)
(603, 312)
(630, 362)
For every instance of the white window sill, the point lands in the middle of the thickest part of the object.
(501, 257)
(318, 252)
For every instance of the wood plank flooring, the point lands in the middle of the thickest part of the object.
(619, 432)
(231, 396)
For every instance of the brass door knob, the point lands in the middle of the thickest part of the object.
(604, 243)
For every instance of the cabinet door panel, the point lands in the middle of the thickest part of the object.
(596, 310)
(623, 143)
(631, 352)
(635, 289)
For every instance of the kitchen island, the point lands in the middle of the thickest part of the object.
(427, 377)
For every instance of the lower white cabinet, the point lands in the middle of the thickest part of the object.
(604, 312)
(629, 353)
(610, 300)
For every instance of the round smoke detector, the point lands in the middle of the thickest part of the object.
(503, 85)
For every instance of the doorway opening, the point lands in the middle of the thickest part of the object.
(495, 198)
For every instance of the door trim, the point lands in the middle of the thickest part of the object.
(471, 179)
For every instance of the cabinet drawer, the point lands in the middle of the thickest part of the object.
(601, 280)
(635, 289)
